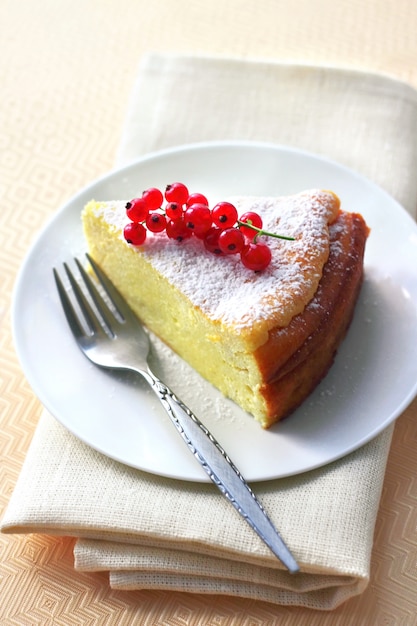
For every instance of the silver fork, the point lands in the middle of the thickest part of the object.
(115, 339)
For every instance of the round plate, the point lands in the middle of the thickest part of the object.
(371, 382)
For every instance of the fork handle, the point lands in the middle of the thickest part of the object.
(222, 471)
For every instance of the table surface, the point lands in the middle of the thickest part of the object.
(67, 69)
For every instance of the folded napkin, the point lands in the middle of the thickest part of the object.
(151, 532)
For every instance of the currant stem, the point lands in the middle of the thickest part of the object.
(260, 231)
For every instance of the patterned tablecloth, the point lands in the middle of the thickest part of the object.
(67, 70)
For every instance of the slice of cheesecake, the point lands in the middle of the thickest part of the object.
(264, 339)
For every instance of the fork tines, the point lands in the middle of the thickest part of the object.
(95, 311)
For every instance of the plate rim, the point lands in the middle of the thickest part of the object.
(156, 155)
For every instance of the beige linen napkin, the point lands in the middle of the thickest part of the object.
(156, 533)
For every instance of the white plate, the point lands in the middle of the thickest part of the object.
(372, 381)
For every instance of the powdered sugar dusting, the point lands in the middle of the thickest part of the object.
(222, 287)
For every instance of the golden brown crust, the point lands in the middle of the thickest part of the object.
(294, 360)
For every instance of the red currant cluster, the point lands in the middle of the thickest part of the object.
(186, 215)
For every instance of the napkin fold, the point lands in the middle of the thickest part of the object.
(152, 532)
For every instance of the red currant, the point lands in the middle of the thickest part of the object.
(177, 192)
(224, 214)
(153, 198)
(211, 240)
(135, 233)
(136, 210)
(198, 218)
(186, 215)
(231, 240)
(156, 222)
(178, 230)
(256, 256)
(252, 218)
(196, 198)
(174, 211)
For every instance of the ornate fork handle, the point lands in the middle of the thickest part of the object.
(221, 470)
